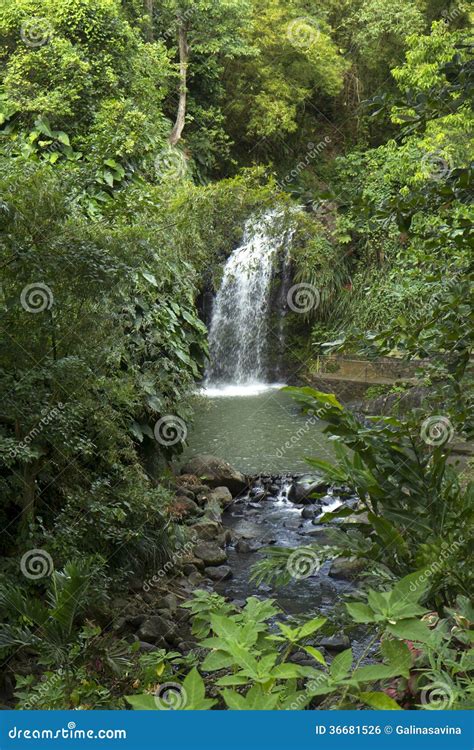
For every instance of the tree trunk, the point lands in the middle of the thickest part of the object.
(183, 66)
(149, 11)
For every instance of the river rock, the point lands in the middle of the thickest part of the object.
(218, 573)
(210, 553)
(216, 472)
(188, 506)
(156, 630)
(300, 492)
(308, 513)
(186, 491)
(221, 495)
(336, 642)
(346, 569)
(206, 529)
(169, 601)
(245, 547)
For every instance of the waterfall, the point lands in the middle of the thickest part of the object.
(241, 338)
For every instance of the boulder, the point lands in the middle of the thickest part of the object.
(186, 491)
(218, 573)
(245, 547)
(186, 506)
(336, 642)
(220, 495)
(300, 492)
(216, 472)
(346, 569)
(210, 553)
(206, 529)
(169, 602)
(308, 513)
(156, 629)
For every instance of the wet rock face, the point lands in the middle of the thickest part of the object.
(215, 472)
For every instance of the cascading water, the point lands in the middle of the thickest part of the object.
(240, 325)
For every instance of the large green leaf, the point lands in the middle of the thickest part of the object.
(380, 701)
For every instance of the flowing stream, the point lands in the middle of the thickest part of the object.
(244, 417)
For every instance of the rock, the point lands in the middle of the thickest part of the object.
(136, 620)
(213, 510)
(245, 547)
(254, 506)
(156, 630)
(169, 602)
(337, 642)
(274, 488)
(346, 569)
(258, 493)
(308, 513)
(197, 562)
(300, 492)
(186, 505)
(219, 573)
(265, 588)
(186, 491)
(216, 472)
(206, 529)
(189, 569)
(301, 658)
(196, 578)
(221, 495)
(210, 553)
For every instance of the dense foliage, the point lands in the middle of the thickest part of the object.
(135, 139)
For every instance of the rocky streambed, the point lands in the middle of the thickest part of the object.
(228, 522)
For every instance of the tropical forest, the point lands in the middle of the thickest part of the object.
(236, 405)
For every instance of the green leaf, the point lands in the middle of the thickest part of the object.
(195, 691)
(144, 702)
(410, 630)
(63, 137)
(398, 655)
(216, 660)
(286, 671)
(374, 672)
(341, 665)
(380, 701)
(150, 277)
(360, 612)
(311, 626)
(315, 654)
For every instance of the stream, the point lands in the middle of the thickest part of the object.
(245, 418)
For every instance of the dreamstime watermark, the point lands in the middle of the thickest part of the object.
(311, 689)
(437, 696)
(45, 687)
(300, 432)
(448, 16)
(447, 551)
(67, 733)
(36, 32)
(435, 166)
(171, 162)
(48, 417)
(314, 150)
(170, 564)
(36, 297)
(171, 696)
(437, 430)
(303, 563)
(170, 430)
(36, 563)
(303, 298)
(303, 32)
